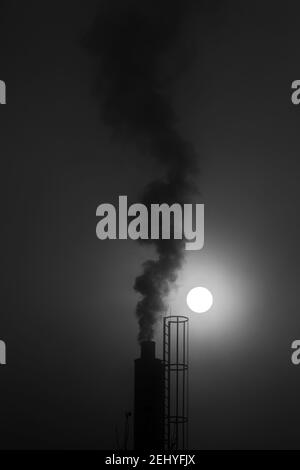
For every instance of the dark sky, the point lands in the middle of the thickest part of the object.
(68, 302)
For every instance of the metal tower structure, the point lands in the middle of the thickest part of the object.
(175, 360)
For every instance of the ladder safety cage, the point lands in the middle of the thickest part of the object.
(175, 360)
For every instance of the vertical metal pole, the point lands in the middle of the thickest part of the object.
(169, 385)
(177, 381)
(187, 389)
(183, 390)
(165, 380)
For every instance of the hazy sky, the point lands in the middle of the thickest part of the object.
(68, 298)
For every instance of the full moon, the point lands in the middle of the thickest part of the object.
(199, 299)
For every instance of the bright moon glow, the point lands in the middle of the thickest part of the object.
(199, 299)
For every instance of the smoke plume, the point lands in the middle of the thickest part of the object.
(134, 41)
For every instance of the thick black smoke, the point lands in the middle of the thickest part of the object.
(132, 41)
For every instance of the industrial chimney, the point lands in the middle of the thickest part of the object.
(148, 400)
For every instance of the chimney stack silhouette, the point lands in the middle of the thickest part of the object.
(148, 400)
